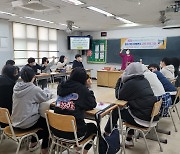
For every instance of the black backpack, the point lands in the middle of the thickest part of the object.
(108, 144)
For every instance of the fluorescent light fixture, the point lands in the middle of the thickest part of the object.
(39, 20)
(124, 20)
(62, 24)
(100, 11)
(75, 27)
(74, 2)
(129, 25)
(7, 13)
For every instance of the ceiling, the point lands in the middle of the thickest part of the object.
(143, 12)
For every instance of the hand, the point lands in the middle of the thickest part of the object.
(121, 50)
(88, 83)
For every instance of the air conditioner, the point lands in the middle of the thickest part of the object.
(33, 5)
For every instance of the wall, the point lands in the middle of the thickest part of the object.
(6, 32)
(133, 32)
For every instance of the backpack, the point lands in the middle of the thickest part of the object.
(108, 144)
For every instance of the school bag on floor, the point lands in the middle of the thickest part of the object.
(108, 144)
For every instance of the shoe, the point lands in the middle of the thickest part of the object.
(33, 146)
(129, 144)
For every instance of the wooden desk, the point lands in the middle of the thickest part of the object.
(108, 78)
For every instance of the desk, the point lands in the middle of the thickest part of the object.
(108, 78)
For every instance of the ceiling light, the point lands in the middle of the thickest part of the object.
(74, 2)
(62, 24)
(75, 27)
(124, 20)
(39, 20)
(100, 11)
(7, 13)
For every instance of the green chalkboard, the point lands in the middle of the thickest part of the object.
(147, 55)
(99, 49)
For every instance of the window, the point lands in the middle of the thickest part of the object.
(33, 41)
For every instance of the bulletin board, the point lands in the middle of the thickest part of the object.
(99, 51)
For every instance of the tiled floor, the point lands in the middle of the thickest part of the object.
(107, 95)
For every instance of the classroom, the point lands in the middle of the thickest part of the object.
(89, 77)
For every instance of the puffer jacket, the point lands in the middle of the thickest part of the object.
(137, 91)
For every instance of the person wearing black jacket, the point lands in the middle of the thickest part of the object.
(7, 81)
(135, 89)
(33, 65)
(74, 99)
(77, 62)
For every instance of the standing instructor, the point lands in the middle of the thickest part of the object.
(126, 58)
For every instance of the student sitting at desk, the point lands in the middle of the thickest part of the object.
(62, 63)
(79, 98)
(45, 68)
(137, 91)
(7, 81)
(25, 112)
(33, 65)
(168, 86)
(167, 69)
(77, 62)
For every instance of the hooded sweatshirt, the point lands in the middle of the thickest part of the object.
(26, 100)
(155, 83)
(74, 99)
(168, 72)
(137, 91)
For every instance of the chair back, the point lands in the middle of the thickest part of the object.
(61, 122)
(5, 118)
(156, 108)
(177, 96)
(3, 115)
(155, 111)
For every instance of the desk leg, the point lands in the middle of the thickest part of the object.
(121, 136)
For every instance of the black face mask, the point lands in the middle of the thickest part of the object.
(48, 61)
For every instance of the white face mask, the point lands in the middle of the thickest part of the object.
(34, 64)
(127, 52)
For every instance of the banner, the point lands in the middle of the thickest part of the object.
(143, 43)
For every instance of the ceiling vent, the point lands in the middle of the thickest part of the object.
(33, 5)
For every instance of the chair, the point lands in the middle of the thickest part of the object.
(16, 135)
(145, 131)
(65, 123)
(173, 106)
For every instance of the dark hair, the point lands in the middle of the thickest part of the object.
(155, 66)
(175, 62)
(61, 59)
(77, 55)
(167, 61)
(10, 62)
(27, 73)
(31, 60)
(44, 60)
(9, 71)
(79, 74)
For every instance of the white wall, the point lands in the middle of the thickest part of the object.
(6, 32)
(135, 32)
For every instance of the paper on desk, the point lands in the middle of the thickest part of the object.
(101, 106)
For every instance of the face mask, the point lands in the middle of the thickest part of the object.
(127, 52)
(47, 62)
(34, 64)
(16, 77)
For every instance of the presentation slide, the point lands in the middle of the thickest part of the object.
(79, 43)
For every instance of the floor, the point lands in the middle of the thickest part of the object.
(107, 95)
